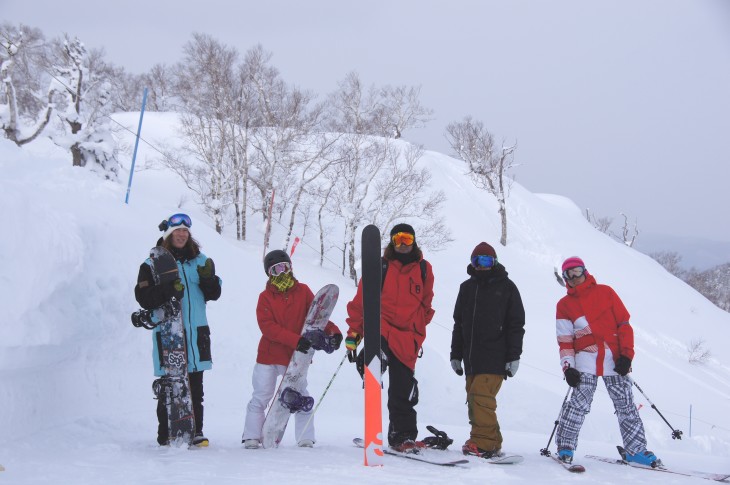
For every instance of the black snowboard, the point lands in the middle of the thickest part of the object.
(174, 387)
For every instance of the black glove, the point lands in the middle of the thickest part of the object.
(572, 376)
(337, 340)
(360, 363)
(303, 345)
(173, 289)
(623, 365)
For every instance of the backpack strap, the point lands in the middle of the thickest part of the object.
(384, 270)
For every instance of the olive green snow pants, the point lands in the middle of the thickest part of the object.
(481, 397)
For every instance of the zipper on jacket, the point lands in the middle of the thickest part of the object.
(473, 317)
(189, 324)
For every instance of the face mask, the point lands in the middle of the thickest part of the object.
(282, 281)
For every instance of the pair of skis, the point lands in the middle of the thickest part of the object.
(718, 477)
(577, 468)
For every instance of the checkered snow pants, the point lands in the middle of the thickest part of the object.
(579, 404)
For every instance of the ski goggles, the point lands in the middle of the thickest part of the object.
(176, 220)
(403, 238)
(573, 273)
(279, 268)
(483, 261)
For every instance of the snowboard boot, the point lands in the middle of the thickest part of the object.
(200, 441)
(408, 446)
(305, 443)
(251, 444)
(566, 456)
(471, 449)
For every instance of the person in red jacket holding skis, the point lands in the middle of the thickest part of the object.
(405, 310)
(281, 310)
(596, 339)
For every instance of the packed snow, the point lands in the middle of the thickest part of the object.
(76, 404)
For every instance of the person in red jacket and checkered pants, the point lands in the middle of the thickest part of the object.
(596, 339)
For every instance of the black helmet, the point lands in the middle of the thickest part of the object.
(273, 257)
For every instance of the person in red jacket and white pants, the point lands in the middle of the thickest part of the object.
(405, 310)
(596, 339)
(281, 311)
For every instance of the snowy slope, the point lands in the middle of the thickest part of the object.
(75, 400)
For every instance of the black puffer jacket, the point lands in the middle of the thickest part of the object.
(489, 322)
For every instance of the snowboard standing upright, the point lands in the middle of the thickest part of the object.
(290, 388)
(371, 287)
(174, 387)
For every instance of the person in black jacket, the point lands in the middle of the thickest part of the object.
(489, 325)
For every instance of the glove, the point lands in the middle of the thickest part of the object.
(336, 340)
(206, 271)
(623, 365)
(360, 363)
(303, 345)
(456, 365)
(173, 289)
(572, 376)
(510, 368)
(351, 343)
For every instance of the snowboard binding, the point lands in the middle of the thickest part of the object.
(165, 389)
(143, 319)
(150, 319)
(295, 402)
(440, 441)
(320, 340)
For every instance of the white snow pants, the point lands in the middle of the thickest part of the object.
(264, 386)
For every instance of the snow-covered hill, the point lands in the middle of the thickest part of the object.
(75, 399)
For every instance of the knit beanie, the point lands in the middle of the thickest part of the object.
(402, 228)
(572, 262)
(484, 249)
(170, 230)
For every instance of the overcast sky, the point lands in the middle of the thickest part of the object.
(621, 105)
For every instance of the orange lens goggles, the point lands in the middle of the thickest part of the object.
(403, 238)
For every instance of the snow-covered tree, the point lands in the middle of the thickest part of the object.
(487, 163)
(399, 109)
(378, 180)
(287, 118)
(82, 79)
(159, 82)
(25, 107)
(206, 83)
(387, 111)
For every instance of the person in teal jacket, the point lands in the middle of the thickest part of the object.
(197, 285)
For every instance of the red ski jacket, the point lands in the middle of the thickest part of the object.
(281, 319)
(405, 309)
(593, 328)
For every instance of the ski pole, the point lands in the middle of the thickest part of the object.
(322, 396)
(546, 451)
(676, 434)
